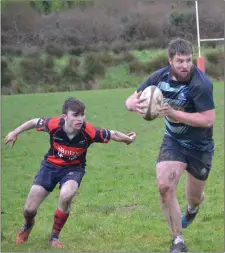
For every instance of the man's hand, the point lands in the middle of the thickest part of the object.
(167, 110)
(132, 138)
(11, 137)
(133, 103)
(121, 137)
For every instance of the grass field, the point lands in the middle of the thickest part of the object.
(117, 207)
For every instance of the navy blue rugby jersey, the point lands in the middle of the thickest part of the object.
(193, 96)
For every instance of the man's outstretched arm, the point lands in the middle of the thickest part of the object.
(12, 136)
(120, 137)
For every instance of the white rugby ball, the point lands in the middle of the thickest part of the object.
(153, 100)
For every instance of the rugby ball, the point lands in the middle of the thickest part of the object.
(153, 100)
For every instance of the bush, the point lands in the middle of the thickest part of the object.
(92, 67)
(74, 62)
(118, 47)
(103, 47)
(11, 50)
(71, 73)
(214, 70)
(212, 44)
(127, 57)
(32, 51)
(76, 50)
(4, 64)
(215, 56)
(106, 58)
(157, 62)
(6, 73)
(124, 57)
(49, 62)
(137, 67)
(54, 50)
(35, 70)
(31, 69)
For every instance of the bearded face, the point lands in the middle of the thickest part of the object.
(182, 66)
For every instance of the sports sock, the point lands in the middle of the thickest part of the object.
(192, 211)
(60, 219)
(178, 239)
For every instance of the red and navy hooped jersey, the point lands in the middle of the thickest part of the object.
(64, 151)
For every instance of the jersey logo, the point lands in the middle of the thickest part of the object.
(203, 171)
(182, 96)
(41, 122)
(69, 152)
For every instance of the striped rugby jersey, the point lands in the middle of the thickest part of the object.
(65, 152)
(193, 96)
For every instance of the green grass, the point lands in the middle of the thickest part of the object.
(117, 207)
(117, 77)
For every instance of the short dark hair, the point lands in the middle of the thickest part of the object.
(74, 105)
(179, 46)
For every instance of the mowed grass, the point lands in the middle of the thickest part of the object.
(117, 208)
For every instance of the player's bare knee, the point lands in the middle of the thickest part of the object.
(29, 211)
(65, 202)
(30, 206)
(165, 191)
(66, 197)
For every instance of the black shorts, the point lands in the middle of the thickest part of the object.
(49, 175)
(199, 162)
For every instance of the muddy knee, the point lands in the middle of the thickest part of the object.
(65, 201)
(165, 191)
(29, 213)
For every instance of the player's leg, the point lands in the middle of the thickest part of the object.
(69, 185)
(199, 165)
(195, 196)
(170, 166)
(43, 183)
(35, 197)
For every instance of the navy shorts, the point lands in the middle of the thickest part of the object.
(49, 175)
(199, 162)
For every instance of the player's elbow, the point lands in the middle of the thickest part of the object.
(209, 123)
(34, 122)
(208, 119)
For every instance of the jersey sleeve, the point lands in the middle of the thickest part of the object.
(100, 134)
(202, 96)
(47, 124)
(42, 124)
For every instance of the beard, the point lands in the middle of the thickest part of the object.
(181, 78)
